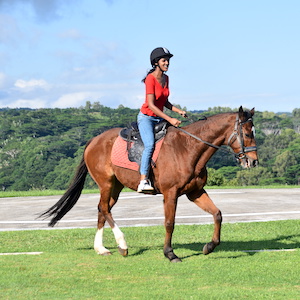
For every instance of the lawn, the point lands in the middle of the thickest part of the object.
(68, 267)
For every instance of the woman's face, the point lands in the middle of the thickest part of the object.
(163, 63)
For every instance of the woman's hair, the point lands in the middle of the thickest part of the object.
(149, 72)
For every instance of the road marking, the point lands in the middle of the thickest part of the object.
(269, 250)
(156, 218)
(22, 253)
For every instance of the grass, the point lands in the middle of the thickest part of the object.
(33, 193)
(68, 268)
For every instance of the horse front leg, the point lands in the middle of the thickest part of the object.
(202, 200)
(104, 214)
(98, 241)
(170, 204)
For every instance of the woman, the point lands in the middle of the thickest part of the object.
(151, 113)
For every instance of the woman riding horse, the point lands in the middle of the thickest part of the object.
(151, 113)
(180, 169)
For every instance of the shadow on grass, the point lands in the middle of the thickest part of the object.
(278, 243)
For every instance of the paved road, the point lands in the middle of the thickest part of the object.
(133, 209)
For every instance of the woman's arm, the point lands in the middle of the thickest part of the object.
(175, 109)
(159, 113)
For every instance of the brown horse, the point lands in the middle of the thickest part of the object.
(180, 169)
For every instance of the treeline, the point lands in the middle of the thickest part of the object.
(40, 149)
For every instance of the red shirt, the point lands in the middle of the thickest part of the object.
(161, 94)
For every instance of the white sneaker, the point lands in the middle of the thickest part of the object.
(145, 187)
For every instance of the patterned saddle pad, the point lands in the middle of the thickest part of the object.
(120, 152)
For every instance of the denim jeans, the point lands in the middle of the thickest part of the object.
(146, 127)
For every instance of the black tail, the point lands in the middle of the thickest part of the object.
(70, 197)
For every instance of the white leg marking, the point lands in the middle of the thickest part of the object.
(119, 236)
(98, 243)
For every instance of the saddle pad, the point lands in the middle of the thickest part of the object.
(119, 154)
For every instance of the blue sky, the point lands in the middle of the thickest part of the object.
(62, 53)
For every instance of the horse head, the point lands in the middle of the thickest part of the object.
(242, 140)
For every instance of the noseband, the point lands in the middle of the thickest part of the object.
(238, 135)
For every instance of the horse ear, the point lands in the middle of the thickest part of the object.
(241, 112)
(252, 111)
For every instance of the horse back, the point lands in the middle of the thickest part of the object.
(97, 153)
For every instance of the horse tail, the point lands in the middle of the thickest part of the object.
(70, 197)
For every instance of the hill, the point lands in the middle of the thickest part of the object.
(40, 148)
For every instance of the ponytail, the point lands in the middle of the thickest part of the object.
(151, 71)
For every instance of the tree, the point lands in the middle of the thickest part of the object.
(283, 162)
(40, 148)
(214, 177)
(255, 176)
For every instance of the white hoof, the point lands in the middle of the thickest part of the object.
(102, 251)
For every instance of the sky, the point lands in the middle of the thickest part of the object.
(63, 53)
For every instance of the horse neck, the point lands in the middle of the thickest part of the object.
(215, 130)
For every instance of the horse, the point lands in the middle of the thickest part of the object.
(180, 169)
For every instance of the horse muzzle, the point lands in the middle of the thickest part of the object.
(246, 161)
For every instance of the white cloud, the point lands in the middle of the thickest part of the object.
(75, 99)
(30, 103)
(31, 84)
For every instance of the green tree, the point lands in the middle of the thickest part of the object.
(214, 178)
(254, 176)
(283, 162)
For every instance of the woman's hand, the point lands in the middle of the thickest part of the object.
(174, 122)
(183, 113)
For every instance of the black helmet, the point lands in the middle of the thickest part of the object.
(158, 53)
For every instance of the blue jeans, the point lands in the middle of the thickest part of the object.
(146, 127)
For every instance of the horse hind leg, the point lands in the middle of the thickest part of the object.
(205, 203)
(108, 199)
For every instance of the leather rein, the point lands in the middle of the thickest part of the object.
(237, 134)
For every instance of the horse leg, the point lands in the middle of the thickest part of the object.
(170, 205)
(104, 208)
(203, 201)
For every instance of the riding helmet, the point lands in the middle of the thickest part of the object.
(158, 53)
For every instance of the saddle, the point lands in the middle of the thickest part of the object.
(135, 144)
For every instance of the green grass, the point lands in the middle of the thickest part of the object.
(33, 193)
(68, 268)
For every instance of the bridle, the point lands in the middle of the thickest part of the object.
(237, 134)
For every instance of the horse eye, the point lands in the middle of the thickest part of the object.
(252, 134)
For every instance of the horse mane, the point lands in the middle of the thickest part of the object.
(205, 123)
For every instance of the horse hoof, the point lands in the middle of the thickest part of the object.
(205, 250)
(175, 260)
(102, 251)
(123, 252)
(208, 248)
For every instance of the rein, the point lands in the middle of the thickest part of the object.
(199, 139)
(236, 134)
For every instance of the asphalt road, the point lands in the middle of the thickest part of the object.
(133, 209)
